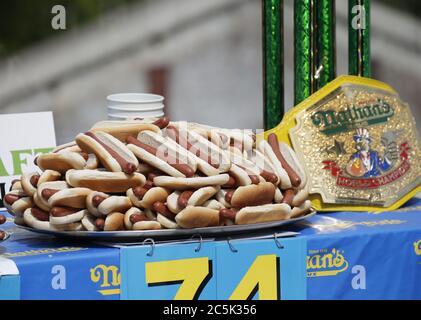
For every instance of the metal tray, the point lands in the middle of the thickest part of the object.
(167, 234)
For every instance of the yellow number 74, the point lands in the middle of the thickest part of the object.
(192, 274)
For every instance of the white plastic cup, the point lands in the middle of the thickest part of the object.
(134, 105)
(146, 112)
(122, 117)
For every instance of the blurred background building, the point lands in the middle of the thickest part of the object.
(204, 56)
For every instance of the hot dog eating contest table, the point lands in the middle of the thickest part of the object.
(335, 256)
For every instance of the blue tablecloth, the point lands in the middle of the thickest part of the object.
(364, 255)
(53, 269)
(350, 256)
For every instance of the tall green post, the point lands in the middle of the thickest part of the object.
(326, 42)
(273, 64)
(304, 49)
(315, 46)
(359, 38)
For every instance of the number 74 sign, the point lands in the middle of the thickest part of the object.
(248, 269)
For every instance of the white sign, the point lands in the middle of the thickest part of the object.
(22, 138)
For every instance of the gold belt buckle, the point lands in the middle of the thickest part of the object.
(359, 145)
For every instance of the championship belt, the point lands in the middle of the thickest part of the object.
(359, 145)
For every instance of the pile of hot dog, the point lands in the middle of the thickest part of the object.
(3, 234)
(157, 174)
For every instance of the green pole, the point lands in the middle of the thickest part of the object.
(359, 38)
(273, 62)
(315, 46)
(304, 49)
(326, 42)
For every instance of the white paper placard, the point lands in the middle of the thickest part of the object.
(23, 137)
(8, 267)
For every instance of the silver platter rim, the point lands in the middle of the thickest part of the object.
(115, 236)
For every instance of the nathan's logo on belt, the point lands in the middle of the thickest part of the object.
(417, 248)
(359, 146)
(333, 122)
(326, 264)
(108, 277)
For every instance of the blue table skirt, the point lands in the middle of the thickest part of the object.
(350, 256)
(51, 269)
(364, 255)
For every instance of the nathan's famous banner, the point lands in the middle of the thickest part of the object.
(365, 255)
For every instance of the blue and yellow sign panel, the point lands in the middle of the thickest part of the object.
(264, 269)
(169, 272)
(240, 270)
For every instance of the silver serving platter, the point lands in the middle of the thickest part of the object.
(163, 234)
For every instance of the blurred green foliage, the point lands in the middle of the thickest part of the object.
(24, 22)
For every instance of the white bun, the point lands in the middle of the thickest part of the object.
(262, 214)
